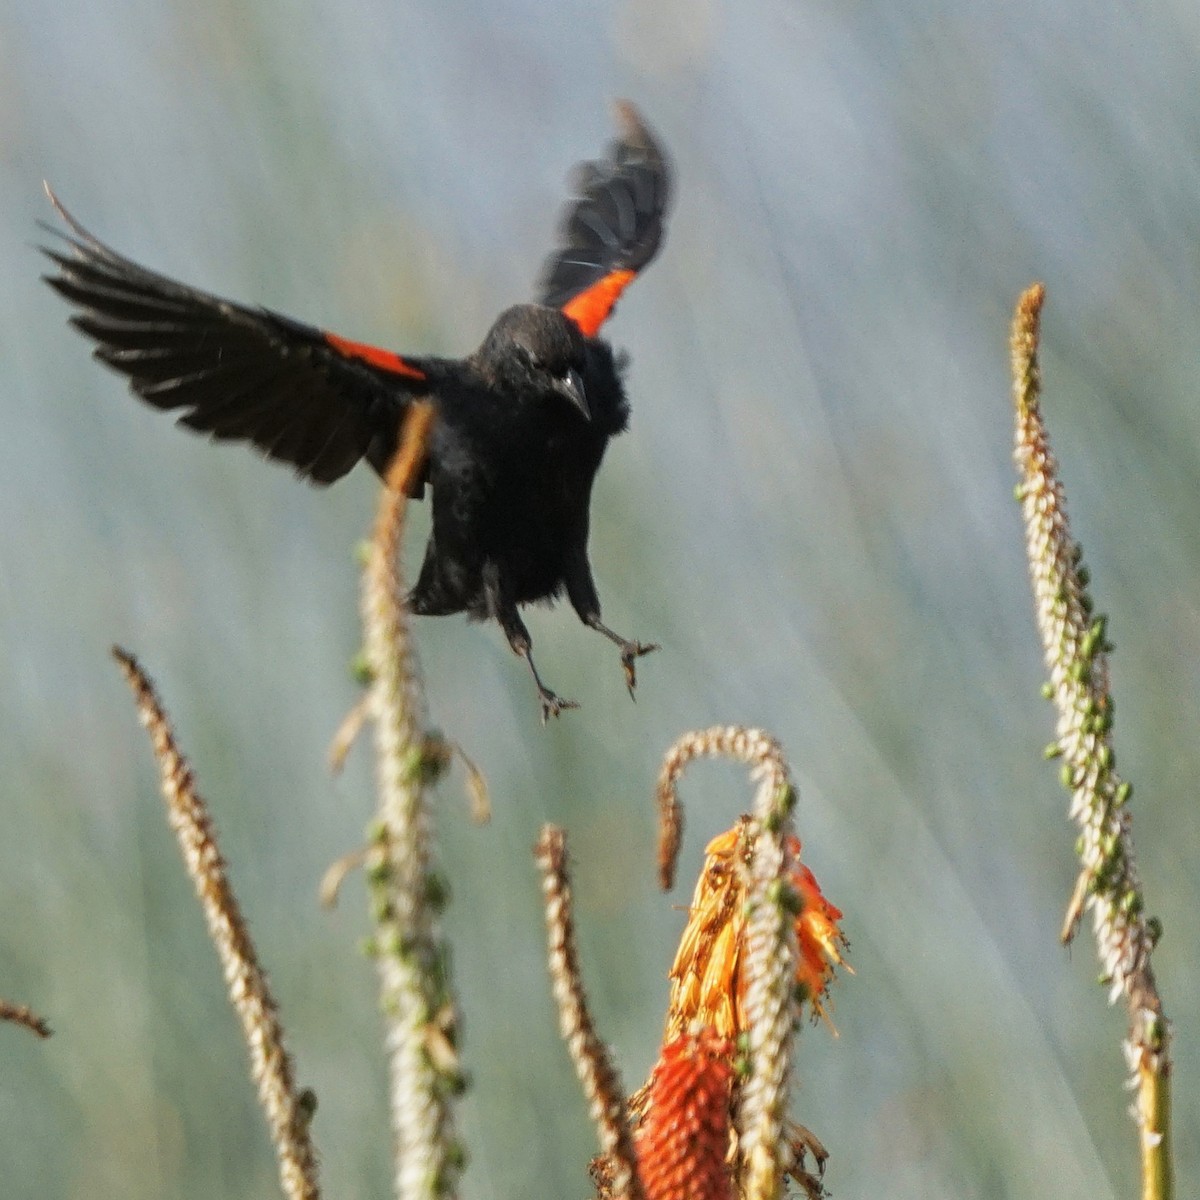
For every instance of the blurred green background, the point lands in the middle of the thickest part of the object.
(812, 513)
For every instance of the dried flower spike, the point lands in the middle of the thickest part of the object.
(601, 1085)
(288, 1109)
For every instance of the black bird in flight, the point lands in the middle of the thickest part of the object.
(521, 424)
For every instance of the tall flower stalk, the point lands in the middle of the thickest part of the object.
(406, 894)
(1075, 644)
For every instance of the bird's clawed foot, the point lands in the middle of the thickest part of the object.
(552, 705)
(629, 652)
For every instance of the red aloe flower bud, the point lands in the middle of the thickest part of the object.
(683, 1139)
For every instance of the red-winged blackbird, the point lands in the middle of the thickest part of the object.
(522, 423)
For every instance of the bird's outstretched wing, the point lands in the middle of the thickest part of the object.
(614, 227)
(301, 395)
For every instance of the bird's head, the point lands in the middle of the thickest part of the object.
(533, 351)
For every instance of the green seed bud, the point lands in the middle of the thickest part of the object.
(437, 890)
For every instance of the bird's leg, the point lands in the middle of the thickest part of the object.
(581, 590)
(629, 650)
(552, 704)
(518, 639)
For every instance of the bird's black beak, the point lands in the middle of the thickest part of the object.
(570, 385)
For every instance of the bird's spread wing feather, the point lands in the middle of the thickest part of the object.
(613, 229)
(301, 395)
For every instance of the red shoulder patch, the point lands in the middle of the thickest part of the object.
(590, 309)
(373, 356)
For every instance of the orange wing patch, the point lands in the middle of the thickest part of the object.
(373, 356)
(590, 309)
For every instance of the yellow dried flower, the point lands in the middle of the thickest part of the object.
(708, 978)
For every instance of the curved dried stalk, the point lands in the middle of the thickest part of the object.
(601, 1085)
(1076, 648)
(288, 1109)
(751, 746)
(418, 1007)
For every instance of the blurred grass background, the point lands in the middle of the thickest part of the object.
(813, 513)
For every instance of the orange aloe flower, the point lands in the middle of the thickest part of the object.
(708, 978)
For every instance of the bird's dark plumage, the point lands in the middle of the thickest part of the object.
(522, 424)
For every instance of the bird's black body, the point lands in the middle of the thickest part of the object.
(512, 482)
(521, 425)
